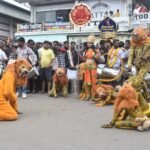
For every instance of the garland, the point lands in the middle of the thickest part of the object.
(112, 54)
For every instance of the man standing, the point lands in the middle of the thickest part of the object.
(126, 51)
(25, 52)
(3, 59)
(115, 56)
(46, 57)
(72, 57)
(115, 59)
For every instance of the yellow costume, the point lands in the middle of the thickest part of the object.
(127, 103)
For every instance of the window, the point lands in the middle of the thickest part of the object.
(62, 15)
(53, 16)
(47, 16)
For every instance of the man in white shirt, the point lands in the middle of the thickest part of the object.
(3, 57)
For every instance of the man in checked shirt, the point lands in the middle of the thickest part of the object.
(23, 51)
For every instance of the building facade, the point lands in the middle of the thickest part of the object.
(12, 13)
(50, 19)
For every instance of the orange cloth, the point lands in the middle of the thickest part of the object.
(90, 75)
(8, 98)
(22, 81)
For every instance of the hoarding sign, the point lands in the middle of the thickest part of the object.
(108, 28)
(141, 18)
(32, 27)
(57, 26)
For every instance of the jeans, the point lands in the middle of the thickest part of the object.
(21, 89)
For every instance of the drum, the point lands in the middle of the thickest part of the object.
(33, 72)
(104, 72)
(132, 71)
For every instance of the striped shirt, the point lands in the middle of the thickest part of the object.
(61, 59)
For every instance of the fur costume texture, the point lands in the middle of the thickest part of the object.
(144, 123)
(105, 95)
(126, 99)
(140, 86)
(8, 98)
(60, 81)
(127, 102)
(140, 51)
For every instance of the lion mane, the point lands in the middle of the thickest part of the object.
(142, 36)
(127, 98)
(60, 80)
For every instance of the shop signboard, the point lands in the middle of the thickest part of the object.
(140, 19)
(32, 27)
(57, 26)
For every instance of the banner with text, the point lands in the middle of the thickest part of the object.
(32, 27)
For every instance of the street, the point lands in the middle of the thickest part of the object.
(66, 124)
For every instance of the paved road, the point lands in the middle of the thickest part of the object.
(66, 124)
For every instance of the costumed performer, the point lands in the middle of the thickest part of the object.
(91, 58)
(8, 98)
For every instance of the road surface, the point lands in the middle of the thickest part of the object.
(66, 124)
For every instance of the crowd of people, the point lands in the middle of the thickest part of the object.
(51, 63)
(48, 56)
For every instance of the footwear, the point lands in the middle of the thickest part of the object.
(87, 99)
(33, 92)
(41, 92)
(24, 95)
(18, 94)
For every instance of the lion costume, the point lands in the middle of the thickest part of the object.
(140, 51)
(60, 81)
(140, 86)
(8, 98)
(105, 95)
(127, 103)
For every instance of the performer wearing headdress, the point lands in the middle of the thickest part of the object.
(91, 58)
